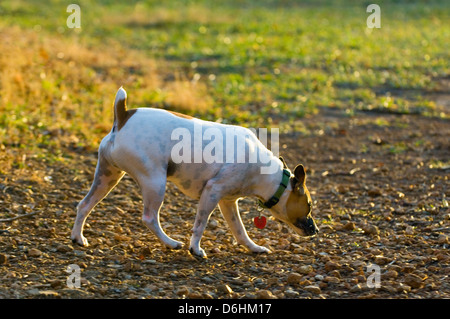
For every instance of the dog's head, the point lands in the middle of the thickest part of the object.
(296, 208)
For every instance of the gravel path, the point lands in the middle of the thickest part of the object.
(380, 186)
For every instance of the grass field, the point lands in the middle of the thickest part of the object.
(365, 110)
(263, 63)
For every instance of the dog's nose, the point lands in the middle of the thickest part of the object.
(311, 225)
(307, 225)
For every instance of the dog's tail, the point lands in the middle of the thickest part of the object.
(121, 115)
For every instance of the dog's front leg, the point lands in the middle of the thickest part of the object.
(230, 212)
(208, 201)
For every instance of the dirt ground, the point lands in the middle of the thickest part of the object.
(380, 188)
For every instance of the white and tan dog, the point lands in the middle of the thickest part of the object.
(141, 143)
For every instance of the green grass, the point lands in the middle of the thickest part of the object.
(256, 63)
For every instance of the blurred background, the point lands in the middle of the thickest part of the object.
(255, 63)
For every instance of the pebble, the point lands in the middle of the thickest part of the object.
(215, 250)
(414, 281)
(313, 289)
(442, 239)
(33, 291)
(403, 288)
(375, 192)
(370, 229)
(64, 248)
(56, 283)
(389, 288)
(332, 280)
(183, 290)
(408, 268)
(318, 277)
(225, 289)
(335, 273)
(289, 293)
(152, 288)
(305, 282)
(356, 288)
(74, 293)
(34, 252)
(3, 259)
(390, 274)
(208, 280)
(194, 295)
(265, 294)
(120, 237)
(348, 226)
(304, 270)
(145, 252)
(331, 265)
(294, 278)
(79, 253)
(213, 223)
(381, 260)
(342, 189)
(409, 231)
(272, 281)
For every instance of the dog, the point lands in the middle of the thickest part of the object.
(141, 143)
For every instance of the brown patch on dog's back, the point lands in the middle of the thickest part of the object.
(181, 115)
(126, 117)
(121, 114)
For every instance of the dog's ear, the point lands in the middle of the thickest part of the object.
(284, 163)
(299, 179)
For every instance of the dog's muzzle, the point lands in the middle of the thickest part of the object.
(307, 225)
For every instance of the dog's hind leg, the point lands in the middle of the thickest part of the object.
(153, 190)
(106, 177)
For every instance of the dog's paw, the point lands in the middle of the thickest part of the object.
(80, 240)
(260, 250)
(199, 253)
(174, 244)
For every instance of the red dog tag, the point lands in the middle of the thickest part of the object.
(260, 222)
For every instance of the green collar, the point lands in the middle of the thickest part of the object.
(276, 197)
